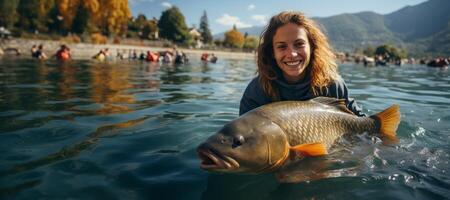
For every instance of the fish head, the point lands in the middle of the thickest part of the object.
(249, 144)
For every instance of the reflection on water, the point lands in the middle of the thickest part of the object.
(128, 130)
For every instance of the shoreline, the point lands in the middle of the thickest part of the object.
(87, 50)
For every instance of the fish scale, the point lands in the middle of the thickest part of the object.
(309, 122)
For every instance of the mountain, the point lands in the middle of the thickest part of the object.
(421, 29)
(253, 31)
(349, 31)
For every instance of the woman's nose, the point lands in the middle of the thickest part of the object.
(292, 52)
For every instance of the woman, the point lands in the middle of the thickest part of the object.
(295, 62)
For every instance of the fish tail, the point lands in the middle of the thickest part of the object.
(388, 120)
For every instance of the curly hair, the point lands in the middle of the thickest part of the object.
(322, 65)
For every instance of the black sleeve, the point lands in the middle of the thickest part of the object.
(253, 97)
(339, 90)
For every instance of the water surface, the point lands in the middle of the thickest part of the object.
(129, 129)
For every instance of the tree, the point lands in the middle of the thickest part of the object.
(80, 23)
(390, 51)
(110, 16)
(369, 51)
(114, 16)
(172, 25)
(8, 13)
(29, 14)
(250, 43)
(233, 38)
(149, 29)
(204, 29)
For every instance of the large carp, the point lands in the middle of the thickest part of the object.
(263, 139)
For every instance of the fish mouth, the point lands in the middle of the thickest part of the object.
(212, 160)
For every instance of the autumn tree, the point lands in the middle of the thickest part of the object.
(172, 25)
(110, 16)
(113, 16)
(233, 38)
(204, 29)
(74, 15)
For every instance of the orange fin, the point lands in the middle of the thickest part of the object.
(389, 120)
(310, 149)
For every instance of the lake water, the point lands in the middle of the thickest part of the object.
(129, 130)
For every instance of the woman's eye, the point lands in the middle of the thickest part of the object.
(300, 44)
(281, 47)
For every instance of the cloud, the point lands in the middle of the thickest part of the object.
(166, 4)
(262, 19)
(251, 7)
(228, 20)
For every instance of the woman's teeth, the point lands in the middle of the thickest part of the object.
(292, 63)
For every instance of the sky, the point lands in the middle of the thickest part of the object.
(222, 14)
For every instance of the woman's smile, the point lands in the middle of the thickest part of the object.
(292, 51)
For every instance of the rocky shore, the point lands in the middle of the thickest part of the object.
(86, 50)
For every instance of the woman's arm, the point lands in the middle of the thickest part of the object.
(253, 97)
(339, 90)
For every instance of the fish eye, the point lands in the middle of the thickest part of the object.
(238, 141)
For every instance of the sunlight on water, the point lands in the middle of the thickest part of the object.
(128, 130)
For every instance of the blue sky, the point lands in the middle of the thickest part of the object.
(222, 14)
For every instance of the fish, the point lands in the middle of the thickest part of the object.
(266, 138)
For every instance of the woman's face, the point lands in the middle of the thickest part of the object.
(292, 51)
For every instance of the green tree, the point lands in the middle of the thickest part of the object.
(204, 29)
(149, 29)
(81, 20)
(28, 19)
(172, 25)
(250, 42)
(8, 13)
(391, 51)
(233, 38)
(34, 14)
(369, 51)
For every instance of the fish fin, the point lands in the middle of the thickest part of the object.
(310, 149)
(340, 104)
(389, 120)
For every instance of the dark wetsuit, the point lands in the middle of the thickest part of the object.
(254, 95)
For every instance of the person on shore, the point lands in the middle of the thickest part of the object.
(33, 51)
(213, 58)
(168, 57)
(63, 53)
(152, 57)
(295, 62)
(102, 55)
(133, 55)
(39, 54)
(180, 57)
(142, 56)
(204, 57)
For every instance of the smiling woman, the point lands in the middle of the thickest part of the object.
(295, 62)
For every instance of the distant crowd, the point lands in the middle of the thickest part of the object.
(172, 55)
(386, 60)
